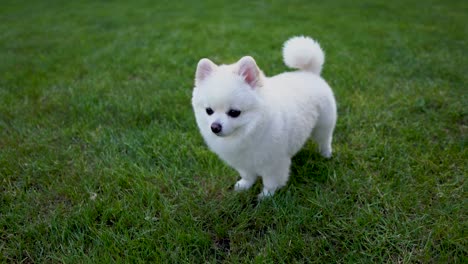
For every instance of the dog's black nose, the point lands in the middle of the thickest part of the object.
(216, 128)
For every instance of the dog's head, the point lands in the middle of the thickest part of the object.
(225, 98)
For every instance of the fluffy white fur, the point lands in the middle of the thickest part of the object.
(277, 114)
(303, 53)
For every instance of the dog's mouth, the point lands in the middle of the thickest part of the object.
(220, 134)
(232, 134)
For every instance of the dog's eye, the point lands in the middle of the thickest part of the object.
(233, 113)
(209, 111)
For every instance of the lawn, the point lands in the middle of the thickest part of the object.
(101, 159)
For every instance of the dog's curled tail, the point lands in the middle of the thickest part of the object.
(303, 53)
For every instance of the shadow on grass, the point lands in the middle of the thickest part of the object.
(307, 166)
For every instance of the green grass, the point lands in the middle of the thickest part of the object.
(101, 160)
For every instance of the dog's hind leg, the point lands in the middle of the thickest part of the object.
(323, 132)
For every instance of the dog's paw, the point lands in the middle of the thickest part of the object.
(327, 153)
(242, 185)
(265, 194)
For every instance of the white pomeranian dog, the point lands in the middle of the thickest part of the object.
(255, 123)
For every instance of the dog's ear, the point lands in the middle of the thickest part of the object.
(204, 68)
(249, 71)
